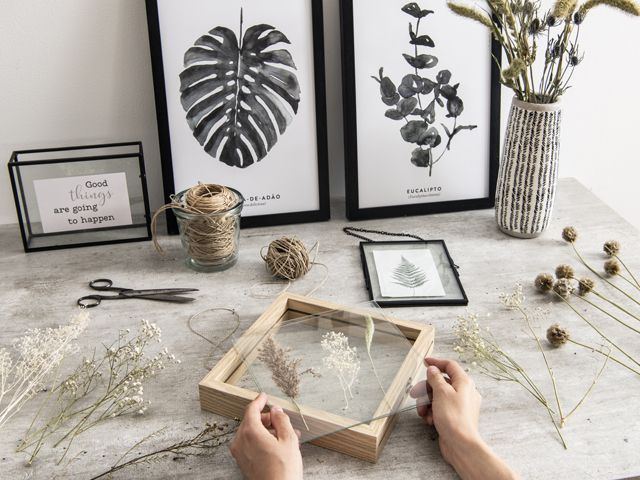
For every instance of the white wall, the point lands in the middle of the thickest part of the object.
(78, 72)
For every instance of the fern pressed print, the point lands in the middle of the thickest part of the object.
(237, 95)
(409, 275)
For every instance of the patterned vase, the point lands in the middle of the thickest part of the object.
(529, 169)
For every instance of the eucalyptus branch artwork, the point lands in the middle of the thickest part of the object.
(342, 360)
(33, 366)
(409, 275)
(240, 93)
(107, 385)
(284, 370)
(420, 101)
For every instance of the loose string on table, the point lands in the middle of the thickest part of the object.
(217, 345)
(289, 259)
(210, 235)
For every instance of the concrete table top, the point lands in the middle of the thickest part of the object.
(40, 290)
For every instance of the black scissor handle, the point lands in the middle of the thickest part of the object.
(89, 301)
(101, 284)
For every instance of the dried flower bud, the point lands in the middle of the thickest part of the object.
(585, 285)
(563, 287)
(544, 282)
(569, 234)
(534, 26)
(565, 271)
(611, 248)
(557, 336)
(575, 60)
(578, 18)
(551, 20)
(612, 267)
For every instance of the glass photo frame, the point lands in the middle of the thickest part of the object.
(411, 273)
(341, 373)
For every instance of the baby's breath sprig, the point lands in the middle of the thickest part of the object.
(37, 356)
(342, 360)
(102, 387)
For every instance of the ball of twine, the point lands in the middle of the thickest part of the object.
(208, 234)
(287, 258)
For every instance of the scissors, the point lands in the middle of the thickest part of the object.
(158, 294)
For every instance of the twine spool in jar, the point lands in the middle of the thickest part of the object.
(208, 226)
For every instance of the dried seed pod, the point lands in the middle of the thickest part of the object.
(564, 271)
(585, 285)
(569, 234)
(611, 247)
(544, 282)
(557, 335)
(612, 267)
(563, 287)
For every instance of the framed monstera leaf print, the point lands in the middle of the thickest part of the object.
(240, 101)
(421, 109)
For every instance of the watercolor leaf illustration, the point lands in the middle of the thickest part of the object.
(420, 99)
(409, 274)
(239, 96)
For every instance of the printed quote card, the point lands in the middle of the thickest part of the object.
(84, 202)
(407, 273)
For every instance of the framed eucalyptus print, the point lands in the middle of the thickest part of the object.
(240, 101)
(421, 109)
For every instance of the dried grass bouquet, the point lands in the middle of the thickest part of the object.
(520, 26)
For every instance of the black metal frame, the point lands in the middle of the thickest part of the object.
(354, 212)
(322, 213)
(428, 301)
(18, 194)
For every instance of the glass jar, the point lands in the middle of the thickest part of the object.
(211, 240)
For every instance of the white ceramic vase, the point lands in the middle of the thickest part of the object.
(528, 173)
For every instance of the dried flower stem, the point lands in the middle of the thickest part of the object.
(122, 393)
(637, 284)
(602, 277)
(207, 440)
(40, 352)
(284, 370)
(607, 354)
(609, 314)
(598, 330)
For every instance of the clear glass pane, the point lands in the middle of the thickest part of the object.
(332, 370)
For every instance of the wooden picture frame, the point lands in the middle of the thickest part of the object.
(382, 171)
(278, 156)
(220, 394)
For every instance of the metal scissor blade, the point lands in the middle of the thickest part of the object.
(156, 291)
(164, 298)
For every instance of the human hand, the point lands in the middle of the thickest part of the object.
(454, 411)
(265, 446)
(455, 404)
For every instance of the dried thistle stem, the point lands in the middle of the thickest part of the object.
(599, 275)
(597, 329)
(608, 355)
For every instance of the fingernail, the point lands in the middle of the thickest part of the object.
(276, 409)
(431, 370)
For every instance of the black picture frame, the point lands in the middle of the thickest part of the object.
(320, 214)
(450, 278)
(353, 209)
(33, 238)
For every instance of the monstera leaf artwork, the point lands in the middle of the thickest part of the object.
(240, 96)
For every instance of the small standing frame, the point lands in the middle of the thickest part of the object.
(226, 392)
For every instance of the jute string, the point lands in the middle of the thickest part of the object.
(216, 345)
(289, 259)
(210, 236)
